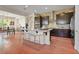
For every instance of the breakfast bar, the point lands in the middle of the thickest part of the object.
(38, 36)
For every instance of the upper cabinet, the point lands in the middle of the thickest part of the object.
(45, 21)
(37, 22)
(41, 22)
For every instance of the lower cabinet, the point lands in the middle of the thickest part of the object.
(61, 32)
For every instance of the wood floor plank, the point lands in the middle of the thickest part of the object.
(58, 45)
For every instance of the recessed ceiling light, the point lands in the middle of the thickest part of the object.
(46, 8)
(26, 6)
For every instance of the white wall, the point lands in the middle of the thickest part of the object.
(77, 28)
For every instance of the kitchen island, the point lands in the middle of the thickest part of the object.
(41, 36)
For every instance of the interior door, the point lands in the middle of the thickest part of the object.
(77, 28)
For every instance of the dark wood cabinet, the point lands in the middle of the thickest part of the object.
(41, 21)
(60, 32)
(45, 20)
(38, 22)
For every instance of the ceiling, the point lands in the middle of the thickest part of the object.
(21, 10)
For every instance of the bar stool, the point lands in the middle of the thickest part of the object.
(26, 35)
(44, 36)
(37, 37)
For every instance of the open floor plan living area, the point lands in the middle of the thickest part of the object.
(39, 29)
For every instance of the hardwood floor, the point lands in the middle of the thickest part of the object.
(16, 45)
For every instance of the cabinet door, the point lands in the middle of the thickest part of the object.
(37, 23)
(45, 21)
(77, 28)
